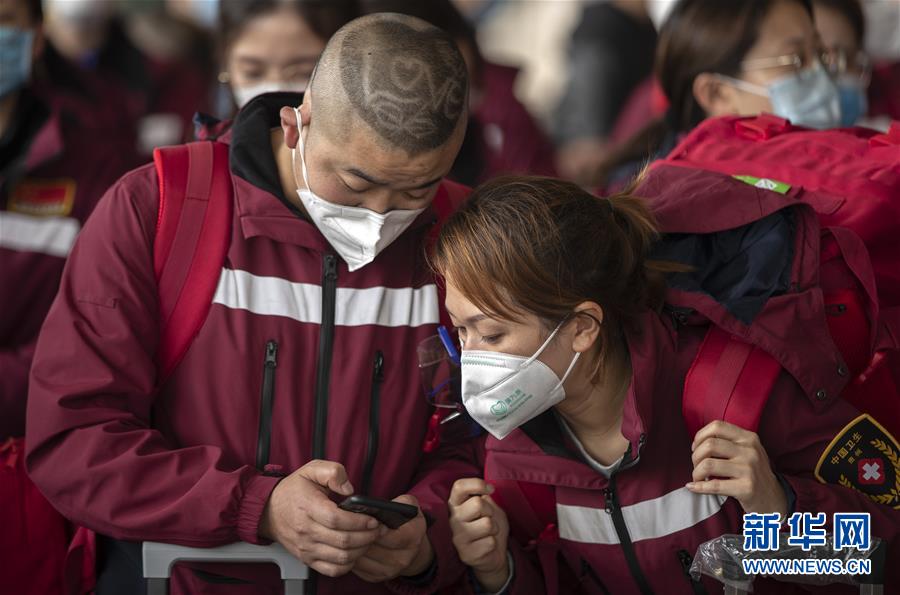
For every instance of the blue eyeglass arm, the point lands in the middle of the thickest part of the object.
(444, 334)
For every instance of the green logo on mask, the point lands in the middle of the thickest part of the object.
(499, 409)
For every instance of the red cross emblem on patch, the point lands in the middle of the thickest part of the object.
(871, 471)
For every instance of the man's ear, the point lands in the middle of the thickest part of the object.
(714, 96)
(289, 124)
(587, 320)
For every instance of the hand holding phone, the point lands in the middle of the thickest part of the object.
(391, 514)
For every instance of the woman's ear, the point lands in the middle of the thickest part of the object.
(713, 96)
(587, 320)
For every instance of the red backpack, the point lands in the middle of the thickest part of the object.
(732, 375)
(34, 536)
(860, 168)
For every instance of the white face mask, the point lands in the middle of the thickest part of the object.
(807, 98)
(243, 95)
(356, 234)
(502, 391)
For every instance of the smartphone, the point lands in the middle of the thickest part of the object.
(391, 514)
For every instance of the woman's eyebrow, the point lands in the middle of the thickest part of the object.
(475, 319)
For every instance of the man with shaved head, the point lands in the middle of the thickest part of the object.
(299, 385)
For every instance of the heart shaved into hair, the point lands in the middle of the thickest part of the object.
(408, 85)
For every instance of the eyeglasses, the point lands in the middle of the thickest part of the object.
(795, 61)
(440, 373)
(840, 62)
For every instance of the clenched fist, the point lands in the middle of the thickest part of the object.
(480, 532)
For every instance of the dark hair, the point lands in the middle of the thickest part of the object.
(528, 244)
(36, 11)
(324, 17)
(852, 11)
(443, 14)
(698, 36)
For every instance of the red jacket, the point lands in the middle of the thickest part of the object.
(47, 190)
(175, 463)
(662, 519)
(512, 140)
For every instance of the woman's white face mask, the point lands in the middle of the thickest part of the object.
(503, 391)
(357, 234)
(243, 95)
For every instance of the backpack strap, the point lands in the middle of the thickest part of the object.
(531, 508)
(729, 379)
(193, 232)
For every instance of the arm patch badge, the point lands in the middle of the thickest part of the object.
(863, 457)
(43, 197)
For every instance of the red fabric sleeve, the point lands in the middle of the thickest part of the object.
(432, 488)
(14, 365)
(91, 448)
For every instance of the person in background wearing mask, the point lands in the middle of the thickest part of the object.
(54, 167)
(57, 158)
(302, 384)
(842, 29)
(569, 363)
(502, 137)
(740, 57)
(268, 45)
(158, 93)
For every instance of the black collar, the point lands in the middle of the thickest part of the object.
(250, 155)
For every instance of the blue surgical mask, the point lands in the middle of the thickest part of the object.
(806, 98)
(15, 58)
(854, 103)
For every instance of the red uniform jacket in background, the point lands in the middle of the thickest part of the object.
(513, 141)
(60, 169)
(175, 463)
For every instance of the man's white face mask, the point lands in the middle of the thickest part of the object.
(357, 234)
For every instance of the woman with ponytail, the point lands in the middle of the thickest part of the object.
(570, 364)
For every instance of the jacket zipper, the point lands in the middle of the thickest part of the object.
(685, 558)
(589, 570)
(679, 315)
(326, 344)
(615, 511)
(264, 438)
(323, 374)
(374, 419)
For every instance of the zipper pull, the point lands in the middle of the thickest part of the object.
(679, 316)
(835, 309)
(330, 264)
(686, 560)
(610, 500)
(271, 352)
(378, 371)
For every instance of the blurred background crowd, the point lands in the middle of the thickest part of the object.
(559, 86)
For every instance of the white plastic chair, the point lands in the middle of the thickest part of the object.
(158, 559)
